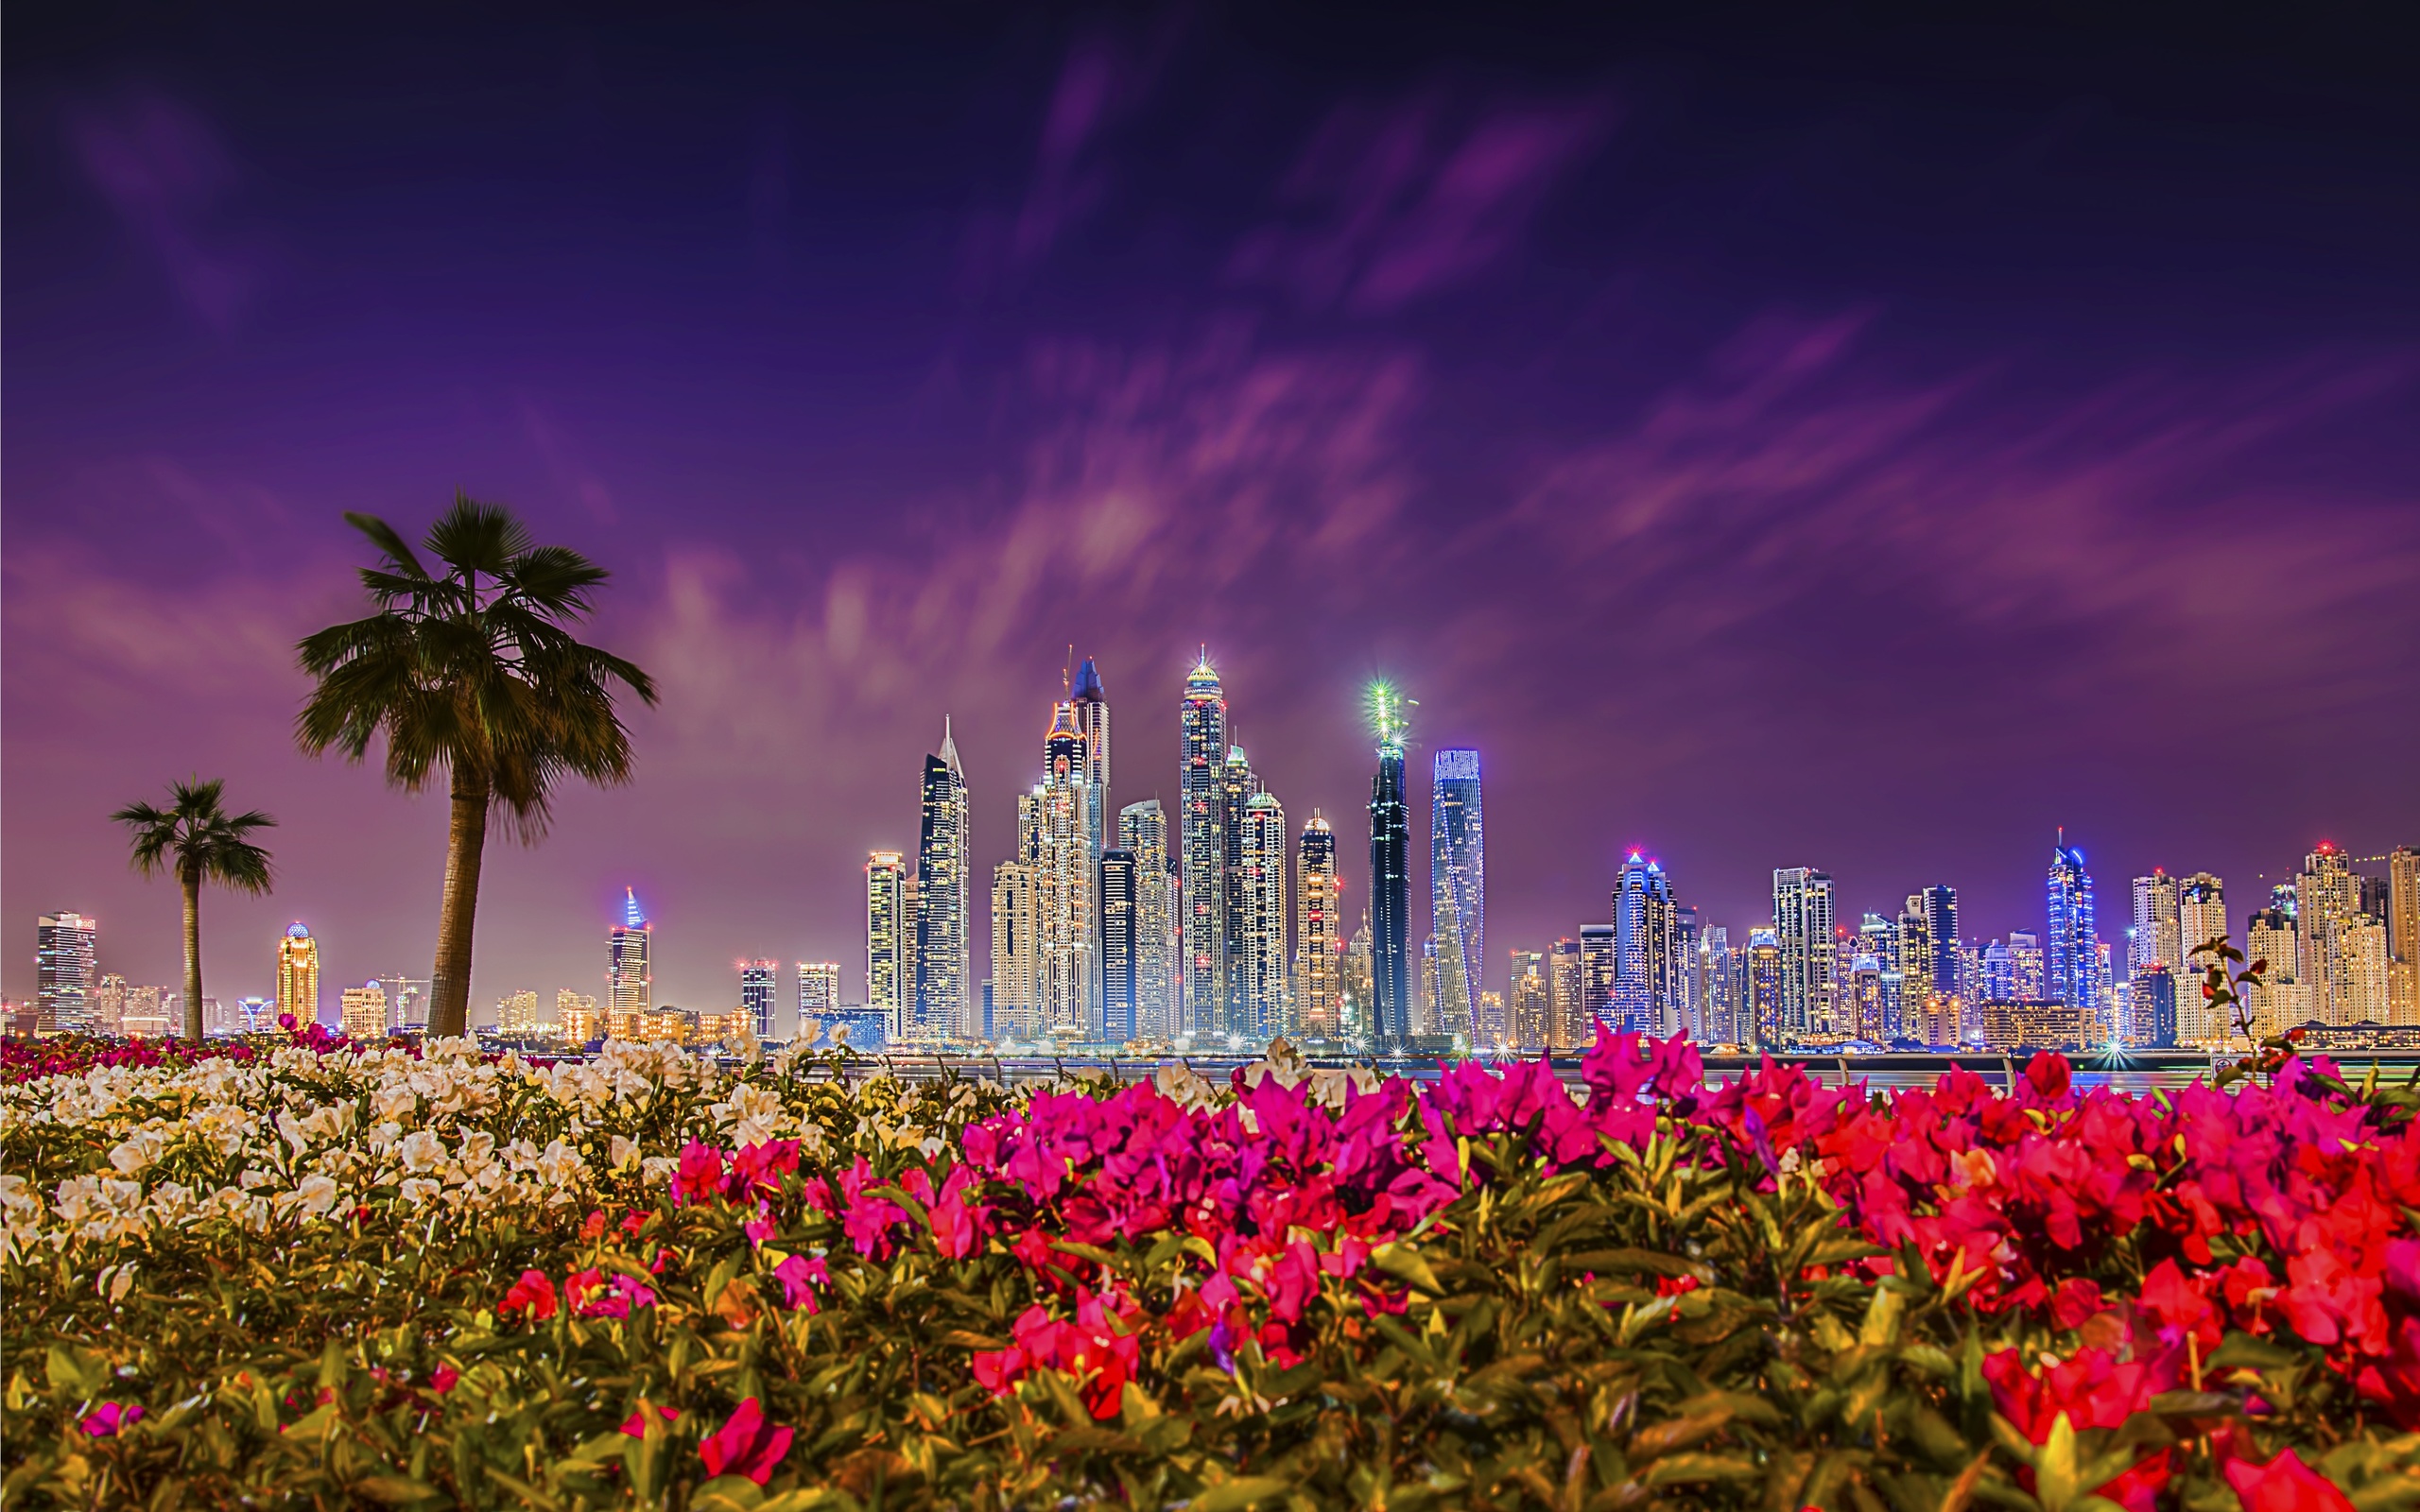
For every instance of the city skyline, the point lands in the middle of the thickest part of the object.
(1762, 452)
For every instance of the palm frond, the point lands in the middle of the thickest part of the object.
(389, 540)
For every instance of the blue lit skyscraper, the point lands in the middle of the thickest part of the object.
(944, 1007)
(756, 979)
(1940, 905)
(1390, 873)
(1201, 856)
(1458, 891)
(2073, 953)
(1644, 947)
(1120, 946)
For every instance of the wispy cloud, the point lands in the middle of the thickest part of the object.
(167, 174)
(1391, 204)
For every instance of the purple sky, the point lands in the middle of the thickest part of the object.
(1818, 443)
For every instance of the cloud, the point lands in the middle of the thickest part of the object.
(165, 172)
(1389, 205)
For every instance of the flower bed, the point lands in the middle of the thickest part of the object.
(326, 1276)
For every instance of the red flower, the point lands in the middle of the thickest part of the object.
(800, 1275)
(747, 1445)
(2284, 1484)
(533, 1294)
(2090, 1390)
(699, 1175)
(636, 1425)
(443, 1379)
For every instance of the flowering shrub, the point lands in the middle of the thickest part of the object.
(328, 1275)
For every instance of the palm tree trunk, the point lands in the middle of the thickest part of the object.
(193, 957)
(449, 988)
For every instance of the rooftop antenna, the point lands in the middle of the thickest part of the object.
(1067, 672)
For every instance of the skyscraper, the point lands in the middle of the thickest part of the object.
(1767, 982)
(1720, 1018)
(758, 982)
(1121, 1007)
(2326, 905)
(2029, 974)
(1015, 1004)
(1644, 948)
(2072, 957)
(1802, 931)
(1597, 969)
(362, 1012)
(1238, 785)
(1915, 966)
(2280, 1002)
(408, 1001)
(886, 933)
(1319, 940)
(1568, 1018)
(65, 960)
(1065, 910)
(1091, 722)
(2403, 931)
(1266, 848)
(2201, 917)
(819, 992)
(1682, 1006)
(1203, 852)
(1143, 830)
(1529, 1003)
(298, 974)
(2153, 939)
(1941, 935)
(945, 1005)
(1390, 948)
(1457, 890)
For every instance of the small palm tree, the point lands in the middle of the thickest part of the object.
(472, 669)
(198, 840)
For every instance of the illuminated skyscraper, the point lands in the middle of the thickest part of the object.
(1644, 948)
(759, 982)
(1682, 1003)
(1091, 722)
(1390, 948)
(2362, 995)
(1528, 1007)
(1765, 977)
(1939, 908)
(298, 974)
(946, 1008)
(1015, 1000)
(2151, 1009)
(1202, 854)
(1319, 940)
(2403, 933)
(2072, 959)
(2154, 940)
(1238, 785)
(2201, 917)
(407, 1002)
(65, 977)
(1720, 1018)
(1802, 929)
(1267, 847)
(1143, 830)
(2028, 970)
(886, 930)
(1457, 890)
(1569, 1019)
(1065, 878)
(1598, 975)
(1913, 938)
(2280, 1002)
(362, 1011)
(2326, 905)
(1119, 946)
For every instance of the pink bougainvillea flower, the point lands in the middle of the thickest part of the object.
(110, 1418)
(802, 1277)
(2090, 1390)
(532, 1294)
(747, 1445)
(636, 1425)
(699, 1175)
(590, 1294)
(443, 1379)
(2284, 1484)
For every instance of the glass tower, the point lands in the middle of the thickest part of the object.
(1201, 844)
(1939, 906)
(1319, 941)
(945, 1008)
(64, 962)
(1120, 945)
(2072, 956)
(1389, 874)
(1065, 912)
(1802, 931)
(298, 974)
(1261, 897)
(885, 902)
(1457, 890)
(758, 983)
(1143, 831)
(1644, 948)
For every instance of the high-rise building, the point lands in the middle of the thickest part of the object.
(298, 974)
(1568, 1018)
(575, 1017)
(2073, 955)
(1266, 848)
(1644, 948)
(515, 1012)
(2150, 1014)
(1916, 964)
(2403, 933)
(1866, 1000)
(1121, 1006)
(1802, 929)
(1091, 722)
(629, 969)
(1599, 970)
(107, 1011)
(1390, 947)
(408, 1001)
(1238, 785)
(1016, 1008)
(1684, 1007)
(1720, 1019)
(1424, 1021)
(886, 919)
(1457, 890)
(1530, 1004)
(944, 1008)
(2363, 993)
(819, 992)
(363, 1011)
(2327, 904)
(1066, 912)
(1318, 932)
(1767, 978)
(2157, 928)
(2201, 919)
(148, 1011)
(1939, 908)
(2027, 967)
(2279, 1002)
(1360, 981)
(759, 982)
(1143, 830)
(65, 971)
(1203, 852)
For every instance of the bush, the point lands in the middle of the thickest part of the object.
(337, 1278)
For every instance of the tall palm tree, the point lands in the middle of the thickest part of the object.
(474, 669)
(199, 841)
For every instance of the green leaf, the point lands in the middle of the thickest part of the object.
(1242, 1491)
(1405, 1264)
(394, 1491)
(728, 1493)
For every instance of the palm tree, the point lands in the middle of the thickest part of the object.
(200, 842)
(472, 669)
